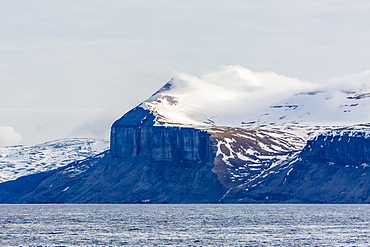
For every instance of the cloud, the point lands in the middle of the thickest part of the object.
(236, 94)
(38, 125)
(226, 95)
(9, 136)
(99, 125)
(357, 82)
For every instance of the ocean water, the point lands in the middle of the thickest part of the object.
(184, 225)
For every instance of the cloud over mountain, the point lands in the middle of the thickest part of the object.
(9, 136)
(236, 94)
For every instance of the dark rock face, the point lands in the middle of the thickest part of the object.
(135, 136)
(344, 147)
(331, 169)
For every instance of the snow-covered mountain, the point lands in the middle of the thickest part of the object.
(230, 136)
(238, 97)
(18, 161)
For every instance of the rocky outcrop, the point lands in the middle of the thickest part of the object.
(347, 147)
(134, 135)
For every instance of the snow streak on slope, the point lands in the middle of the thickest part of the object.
(237, 96)
(242, 155)
(20, 161)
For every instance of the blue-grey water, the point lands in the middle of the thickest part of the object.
(185, 225)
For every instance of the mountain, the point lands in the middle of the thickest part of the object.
(334, 167)
(18, 161)
(230, 136)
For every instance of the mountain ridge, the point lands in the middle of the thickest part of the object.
(18, 161)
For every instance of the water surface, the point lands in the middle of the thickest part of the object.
(185, 225)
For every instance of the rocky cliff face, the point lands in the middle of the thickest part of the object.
(348, 147)
(134, 135)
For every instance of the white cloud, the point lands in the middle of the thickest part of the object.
(9, 136)
(358, 82)
(236, 94)
(227, 95)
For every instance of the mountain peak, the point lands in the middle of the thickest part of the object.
(236, 96)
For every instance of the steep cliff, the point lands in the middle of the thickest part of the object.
(134, 135)
(344, 146)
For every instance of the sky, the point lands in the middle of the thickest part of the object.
(69, 68)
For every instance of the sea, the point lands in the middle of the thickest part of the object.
(184, 225)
